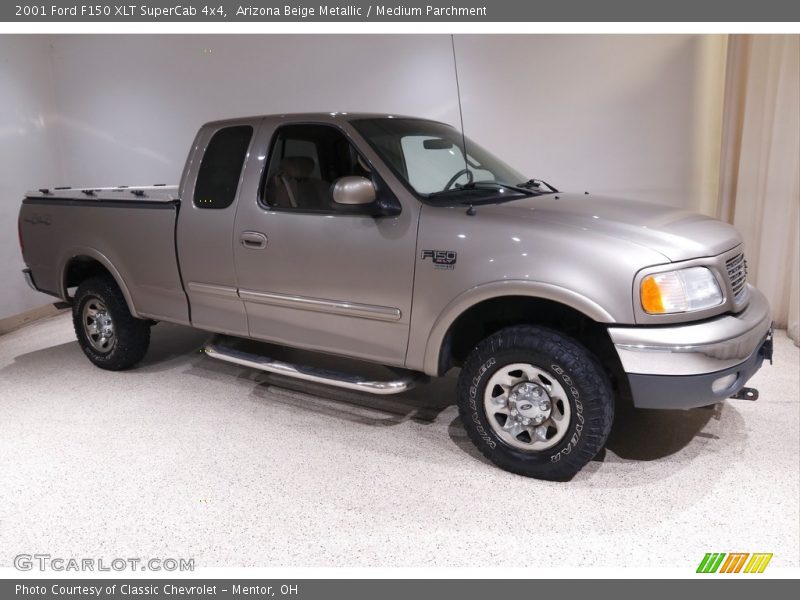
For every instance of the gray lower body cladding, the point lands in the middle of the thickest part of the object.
(692, 391)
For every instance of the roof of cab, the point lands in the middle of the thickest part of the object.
(323, 117)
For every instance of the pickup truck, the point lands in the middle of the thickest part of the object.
(399, 241)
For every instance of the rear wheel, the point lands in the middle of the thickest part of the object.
(535, 402)
(108, 334)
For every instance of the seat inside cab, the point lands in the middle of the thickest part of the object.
(305, 161)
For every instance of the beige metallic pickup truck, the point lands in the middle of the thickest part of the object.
(377, 237)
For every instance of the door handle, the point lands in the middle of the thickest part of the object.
(253, 240)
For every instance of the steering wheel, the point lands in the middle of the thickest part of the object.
(455, 177)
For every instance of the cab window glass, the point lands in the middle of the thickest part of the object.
(430, 166)
(221, 167)
(305, 162)
(429, 156)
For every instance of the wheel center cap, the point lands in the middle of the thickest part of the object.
(104, 323)
(531, 401)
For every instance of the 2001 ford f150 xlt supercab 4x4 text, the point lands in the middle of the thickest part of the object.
(375, 237)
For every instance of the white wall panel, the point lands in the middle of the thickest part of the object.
(28, 157)
(129, 106)
(636, 116)
(631, 115)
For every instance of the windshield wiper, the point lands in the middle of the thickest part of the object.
(485, 185)
(537, 183)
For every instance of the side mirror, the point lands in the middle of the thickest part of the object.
(354, 191)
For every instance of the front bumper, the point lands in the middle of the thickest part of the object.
(695, 364)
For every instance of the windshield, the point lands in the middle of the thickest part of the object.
(429, 156)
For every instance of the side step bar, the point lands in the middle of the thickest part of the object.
(334, 378)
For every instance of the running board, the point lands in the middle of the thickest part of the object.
(334, 378)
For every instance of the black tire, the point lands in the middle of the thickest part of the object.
(131, 336)
(566, 362)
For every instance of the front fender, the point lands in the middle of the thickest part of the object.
(498, 289)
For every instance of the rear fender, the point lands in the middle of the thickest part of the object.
(78, 252)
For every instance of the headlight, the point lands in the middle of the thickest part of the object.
(689, 289)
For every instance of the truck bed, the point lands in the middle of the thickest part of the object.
(130, 231)
(148, 193)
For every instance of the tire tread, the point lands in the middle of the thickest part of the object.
(133, 335)
(598, 403)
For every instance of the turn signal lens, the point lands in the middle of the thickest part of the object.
(651, 296)
(685, 290)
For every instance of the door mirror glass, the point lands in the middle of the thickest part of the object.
(354, 190)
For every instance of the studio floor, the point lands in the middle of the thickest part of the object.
(189, 457)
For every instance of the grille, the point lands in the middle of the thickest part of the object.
(737, 275)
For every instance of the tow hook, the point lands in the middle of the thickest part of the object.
(746, 393)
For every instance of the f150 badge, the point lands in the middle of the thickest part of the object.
(441, 259)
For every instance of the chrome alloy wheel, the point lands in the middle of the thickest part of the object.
(98, 326)
(526, 407)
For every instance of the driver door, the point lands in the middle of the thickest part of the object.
(311, 274)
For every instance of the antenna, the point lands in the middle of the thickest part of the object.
(460, 112)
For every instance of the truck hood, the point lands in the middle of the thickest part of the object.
(676, 233)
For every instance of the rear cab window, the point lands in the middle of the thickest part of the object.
(221, 167)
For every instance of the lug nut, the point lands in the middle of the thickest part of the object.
(537, 391)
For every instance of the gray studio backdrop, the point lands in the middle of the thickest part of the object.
(638, 116)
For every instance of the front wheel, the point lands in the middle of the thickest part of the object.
(109, 335)
(535, 402)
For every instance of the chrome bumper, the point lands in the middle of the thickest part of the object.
(695, 364)
(693, 348)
